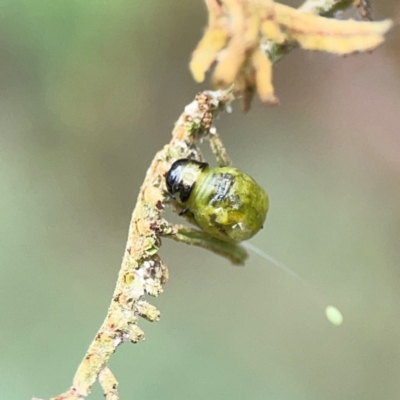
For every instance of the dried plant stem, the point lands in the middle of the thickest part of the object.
(218, 149)
(142, 271)
(326, 8)
(108, 383)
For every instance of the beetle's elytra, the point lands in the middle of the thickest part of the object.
(225, 202)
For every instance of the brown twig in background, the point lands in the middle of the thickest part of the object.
(245, 37)
(142, 271)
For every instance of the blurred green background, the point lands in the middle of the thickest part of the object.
(90, 90)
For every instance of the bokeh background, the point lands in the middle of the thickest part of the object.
(89, 91)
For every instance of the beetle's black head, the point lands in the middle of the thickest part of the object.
(182, 176)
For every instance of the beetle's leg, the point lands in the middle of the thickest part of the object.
(181, 233)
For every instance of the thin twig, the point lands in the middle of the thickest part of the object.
(326, 8)
(142, 271)
(218, 149)
(109, 384)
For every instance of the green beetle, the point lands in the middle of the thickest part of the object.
(225, 202)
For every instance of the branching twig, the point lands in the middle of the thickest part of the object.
(142, 271)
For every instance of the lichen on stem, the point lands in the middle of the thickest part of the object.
(218, 149)
(142, 271)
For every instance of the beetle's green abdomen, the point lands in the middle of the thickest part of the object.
(228, 204)
(225, 202)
